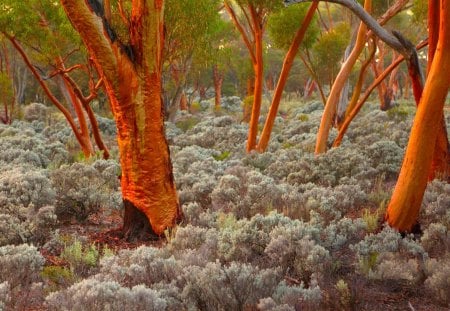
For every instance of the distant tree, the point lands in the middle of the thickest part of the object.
(7, 91)
(191, 26)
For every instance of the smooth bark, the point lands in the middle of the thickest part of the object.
(344, 73)
(287, 65)
(404, 207)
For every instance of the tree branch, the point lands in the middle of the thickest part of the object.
(390, 39)
(91, 28)
(239, 27)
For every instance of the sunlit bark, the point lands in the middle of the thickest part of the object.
(287, 65)
(344, 73)
(406, 200)
(132, 79)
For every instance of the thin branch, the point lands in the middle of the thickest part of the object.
(390, 39)
(44, 86)
(239, 27)
(367, 93)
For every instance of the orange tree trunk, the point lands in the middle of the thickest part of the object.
(218, 80)
(258, 68)
(406, 200)
(344, 73)
(183, 102)
(132, 78)
(287, 65)
(441, 160)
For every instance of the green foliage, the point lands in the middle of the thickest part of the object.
(367, 263)
(267, 5)
(330, 48)
(223, 156)
(283, 25)
(42, 24)
(420, 11)
(371, 220)
(77, 255)
(303, 117)
(345, 295)
(400, 113)
(187, 124)
(190, 25)
(57, 277)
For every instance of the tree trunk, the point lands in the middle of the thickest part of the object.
(441, 159)
(344, 73)
(218, 81)
(257, 94)
(133, 86)
(287, 65)
(183, 102)
(407, 198)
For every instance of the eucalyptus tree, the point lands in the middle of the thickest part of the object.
(41, 34)
(125, 40)
(250, 19)
(288, 28)
(191, 27)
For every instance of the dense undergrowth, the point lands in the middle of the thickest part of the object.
(283, 230)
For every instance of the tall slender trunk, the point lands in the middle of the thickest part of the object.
(258, 68)
(407, 198)
(287, 65)
(88, 149)
(440, 166)
(344, 73)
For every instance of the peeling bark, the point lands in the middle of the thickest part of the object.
(132, 80)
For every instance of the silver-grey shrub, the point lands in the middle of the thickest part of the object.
(21, 186)
(83, 189)
(245, 193)
(233, 287)
(144, 265)
(91, 294)
(5, 297)
(36, 112)
(21, 266)
(438, 281)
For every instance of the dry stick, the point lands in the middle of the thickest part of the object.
(390, 39)
(394, 40)
(367, 93)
